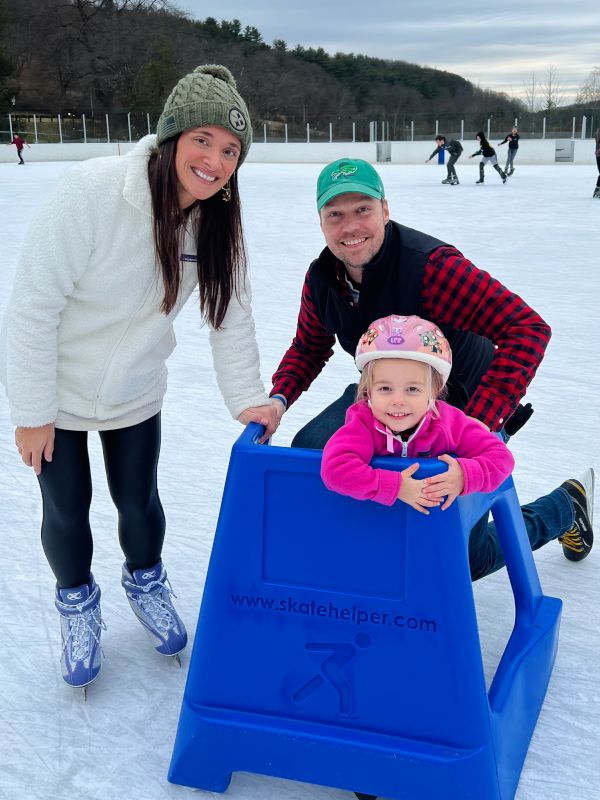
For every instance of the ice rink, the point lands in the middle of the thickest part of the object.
(539, 234)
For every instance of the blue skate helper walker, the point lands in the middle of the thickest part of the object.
(337, 641)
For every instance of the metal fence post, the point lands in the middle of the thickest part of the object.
(107, 129)
(84, 130)
(573, 131)
(264, 132)
(59, 129)
(412, 130)
(544, 128)
(308, 132)
(10, 127)
(35, 133)
(462, 129)
(516, 121)
(437, 128)
(489, 126)
(354, 131)
(148, 121)
(129, 124)
(330, 132)
(286, 132)
(583, 126)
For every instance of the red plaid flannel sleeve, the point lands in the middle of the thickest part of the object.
(311, 348)
(457, 293)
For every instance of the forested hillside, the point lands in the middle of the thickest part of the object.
(100, 56)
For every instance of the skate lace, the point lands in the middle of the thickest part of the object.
(82, 631)
(572, 539)
(158, 604)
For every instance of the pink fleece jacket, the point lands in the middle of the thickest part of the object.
(484, 458)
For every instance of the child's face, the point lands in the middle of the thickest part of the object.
(400, 392)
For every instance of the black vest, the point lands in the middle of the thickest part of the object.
(392, 284)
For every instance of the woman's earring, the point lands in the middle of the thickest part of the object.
(226, 196)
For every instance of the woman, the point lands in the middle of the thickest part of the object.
(513, 145)
(488, 156)
(110, 261)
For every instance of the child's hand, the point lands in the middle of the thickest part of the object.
(411, 491)
(448, 484)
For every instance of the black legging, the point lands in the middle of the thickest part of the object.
(131, 461)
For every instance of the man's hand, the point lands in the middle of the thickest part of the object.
(411, 491)
(447, 484)
(33, 443)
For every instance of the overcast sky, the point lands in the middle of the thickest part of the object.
(495, 44)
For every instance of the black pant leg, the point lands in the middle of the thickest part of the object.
(131, 460)
(66, 487)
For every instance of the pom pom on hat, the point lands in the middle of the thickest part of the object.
(206, 96)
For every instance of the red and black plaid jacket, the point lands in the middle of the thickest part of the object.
(454, 293)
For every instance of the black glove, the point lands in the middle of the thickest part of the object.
(518, 418)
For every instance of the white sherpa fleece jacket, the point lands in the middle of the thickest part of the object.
(83, 332)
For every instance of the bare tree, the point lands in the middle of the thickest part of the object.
(551, 91)
(531, 91)
(589, 94)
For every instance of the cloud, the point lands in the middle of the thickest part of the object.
(496, 48)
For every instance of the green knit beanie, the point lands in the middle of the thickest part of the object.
(206, 96)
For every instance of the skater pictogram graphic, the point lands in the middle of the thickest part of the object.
(331, 669)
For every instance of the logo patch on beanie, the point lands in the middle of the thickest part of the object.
(237, 120)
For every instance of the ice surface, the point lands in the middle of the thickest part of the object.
(540, 234)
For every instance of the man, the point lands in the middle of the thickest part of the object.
(19, 143)
(454, 148)
(373, 267)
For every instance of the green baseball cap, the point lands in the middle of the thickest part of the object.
(348, 175)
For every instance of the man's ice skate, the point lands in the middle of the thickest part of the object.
(81, 626)
(480, 181)
(149, 593)
(447, 180)
(578, 541)
(454, 182)
(596, 192)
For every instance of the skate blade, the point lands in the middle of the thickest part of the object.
(177, 660)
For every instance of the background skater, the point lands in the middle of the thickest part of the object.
(454, 148)
(513, 145)
(488, 156)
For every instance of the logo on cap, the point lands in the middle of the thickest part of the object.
(344, 171)
(237, 120)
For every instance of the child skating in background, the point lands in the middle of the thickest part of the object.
(405, 363)
(488, 156)
(513, 145)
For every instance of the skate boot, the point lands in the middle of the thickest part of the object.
(500, 172)
(447, 180)
(454, 181)
(578, 541)
(480, 174)
(81, 626)
(149, 593)
(596, 192)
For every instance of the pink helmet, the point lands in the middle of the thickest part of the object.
(405, 337)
